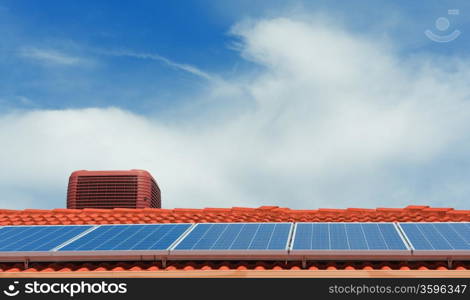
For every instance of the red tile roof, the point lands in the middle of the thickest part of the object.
(227, 265)
(235, 214)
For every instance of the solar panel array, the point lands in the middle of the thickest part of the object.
(128, 237)
(37, 238)
(237, 236)
(243, 239)
(347, 236)
(438, 236)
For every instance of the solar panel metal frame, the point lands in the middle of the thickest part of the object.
(245, 254)
(348, 254)
(12, 256)
(419, 254)
(122, 254)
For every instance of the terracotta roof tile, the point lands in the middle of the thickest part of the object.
(237, 265)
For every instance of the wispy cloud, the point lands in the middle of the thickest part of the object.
(50, 56)
(25, 101)
(153, 56)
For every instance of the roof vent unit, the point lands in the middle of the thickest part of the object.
(112, 189)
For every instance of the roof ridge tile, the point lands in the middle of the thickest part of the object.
(65, 210)
(240, 208)
(267, 207)
(35, 210)
(119, 209)
(438, 209)
(91, 210)
(459, 212)
(155, 210)
(389, 209)
(354, 209)
(187, 210)
(416, 207)
(304, 211)
(331, 210)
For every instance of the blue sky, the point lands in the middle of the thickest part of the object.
(196, 33)
(224, 105)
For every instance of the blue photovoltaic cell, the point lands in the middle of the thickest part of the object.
(438, 236)
(347, 236)
(237, 236)
(37, 238)
(128, 237)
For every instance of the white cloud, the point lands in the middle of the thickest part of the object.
(49, 56)
(333, 120)
(153, 56)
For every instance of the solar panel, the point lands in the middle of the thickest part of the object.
(128, 238)
(235, 238)
(348, 241)
(347, 238)
(37, 238)
(438, 238)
